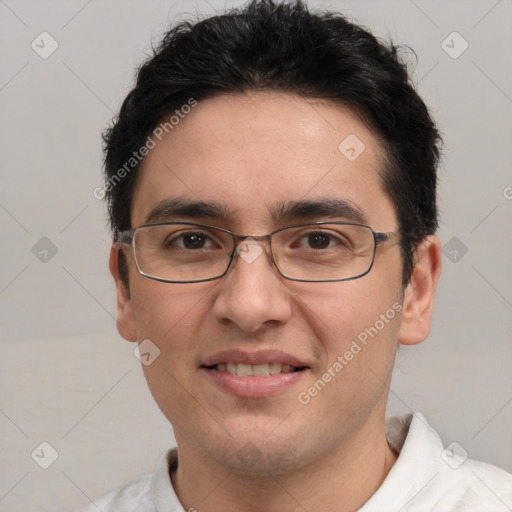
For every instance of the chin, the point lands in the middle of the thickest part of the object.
(257, 461)
(260, 452)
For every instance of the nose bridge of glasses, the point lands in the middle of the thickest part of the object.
(239, 240)
(250, 247)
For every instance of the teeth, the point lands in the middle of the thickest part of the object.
(257, 370)
(274, 368)
(260, 370)
(243, 370)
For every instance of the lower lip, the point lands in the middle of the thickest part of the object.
(254, 387)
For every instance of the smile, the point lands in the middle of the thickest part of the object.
(257, 374)
(254, 370)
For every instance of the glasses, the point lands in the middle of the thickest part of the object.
(186, 252)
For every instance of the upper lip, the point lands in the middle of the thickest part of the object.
(259, 357)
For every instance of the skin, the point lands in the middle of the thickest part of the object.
(249, 152)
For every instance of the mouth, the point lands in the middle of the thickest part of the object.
(255, 370)
(254, 375)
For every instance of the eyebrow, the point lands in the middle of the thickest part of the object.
(281, 212)
(169, 208)
(313, 209)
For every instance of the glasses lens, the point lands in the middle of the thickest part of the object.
(324, 252)
(182, 252)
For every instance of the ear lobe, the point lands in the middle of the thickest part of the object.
(126, 324)
(420, 292)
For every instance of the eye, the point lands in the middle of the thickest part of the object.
(320, 240)
(190, 240)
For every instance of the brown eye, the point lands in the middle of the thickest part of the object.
(194, 241)
(319, 241)
(189, 240)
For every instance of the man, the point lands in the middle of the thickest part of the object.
(271, 182)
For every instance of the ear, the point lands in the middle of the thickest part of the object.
(126, 324)
(419, 293)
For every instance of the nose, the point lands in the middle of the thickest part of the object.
(252, 294)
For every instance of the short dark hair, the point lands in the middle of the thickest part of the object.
(285, 47)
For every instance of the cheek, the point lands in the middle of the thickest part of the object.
(359, 340)
(358, 329)
(340, 311)
(171, 317)
(166, 311)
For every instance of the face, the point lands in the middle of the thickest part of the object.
(249, 154)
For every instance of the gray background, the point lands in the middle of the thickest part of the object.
(66, 376)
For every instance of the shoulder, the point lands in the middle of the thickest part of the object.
(131, 497)
(430, 477)
(147, 493)
(473, 486)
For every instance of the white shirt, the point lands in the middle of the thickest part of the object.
(425, 477)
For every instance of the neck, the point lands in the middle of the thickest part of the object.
(343, 480)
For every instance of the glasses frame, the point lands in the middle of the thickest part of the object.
(127, 237)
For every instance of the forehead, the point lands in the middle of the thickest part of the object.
(253, 154)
